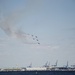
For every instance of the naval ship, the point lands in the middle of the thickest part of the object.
(45, 70)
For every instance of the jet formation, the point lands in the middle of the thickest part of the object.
(19, 34)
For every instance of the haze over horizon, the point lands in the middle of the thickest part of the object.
(25, 23)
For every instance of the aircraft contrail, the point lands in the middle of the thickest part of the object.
(13, 32)
(7, 23)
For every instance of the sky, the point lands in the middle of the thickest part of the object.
(52, 21)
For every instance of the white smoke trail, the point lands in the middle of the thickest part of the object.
(18, 34)
(7, 23)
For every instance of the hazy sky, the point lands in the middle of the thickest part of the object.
(53, 21)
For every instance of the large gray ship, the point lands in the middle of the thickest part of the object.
(45, 70)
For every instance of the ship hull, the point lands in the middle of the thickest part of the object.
(37, 73)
